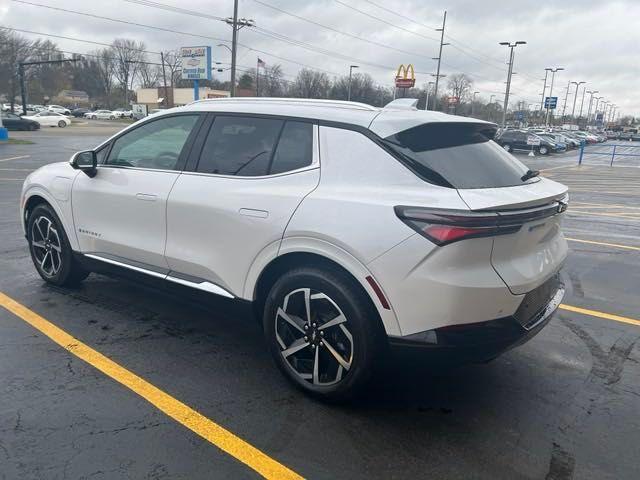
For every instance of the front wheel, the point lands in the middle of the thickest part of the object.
(50, 249)
(322, 332)
(543, 150)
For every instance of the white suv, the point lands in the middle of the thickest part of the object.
(350, 228)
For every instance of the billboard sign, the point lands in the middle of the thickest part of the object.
(196, 63)
(406, 77)
(599, 119)
(551, 102)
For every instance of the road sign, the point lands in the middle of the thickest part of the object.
(520, 116)
(139, 110)
(533, 141)
(551, 102)
(599, 119)
(403, 80)
(196, 63)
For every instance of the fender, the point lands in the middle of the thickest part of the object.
(330, 251)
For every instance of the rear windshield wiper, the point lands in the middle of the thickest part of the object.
(530, 174)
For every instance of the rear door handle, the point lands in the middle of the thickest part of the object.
(146, 197)
(252, 212)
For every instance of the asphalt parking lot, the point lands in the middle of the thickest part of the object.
(565, 405)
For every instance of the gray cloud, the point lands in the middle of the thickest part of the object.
(594, 41)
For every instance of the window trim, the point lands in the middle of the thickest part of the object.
(184, 153)
(194, 158)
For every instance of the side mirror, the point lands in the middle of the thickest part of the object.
(86, 161)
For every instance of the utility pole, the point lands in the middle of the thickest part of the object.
(439, 58)
(236, 25)
(510, 73)
(582, 102)
(566, 97)
(553, 76)
(544, 88)
(164, 81)
(351, 67)
(590, 92)
(573, 112)
(426, 103)
(23, 90)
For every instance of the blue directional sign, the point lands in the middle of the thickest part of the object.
(520, 116)
(599, 119)
(550, 102)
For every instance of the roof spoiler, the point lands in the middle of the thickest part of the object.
(402, 104)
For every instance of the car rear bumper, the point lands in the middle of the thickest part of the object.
(484, 341)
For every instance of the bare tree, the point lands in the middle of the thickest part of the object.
(106, 67)
(272, 82)
(150, 74)
(173, 63)
(310, 84)
(460, 86)
(14, 49)
(127, 55)
(362, 89)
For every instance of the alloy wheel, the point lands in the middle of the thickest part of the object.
(47, 248)
(314, 337)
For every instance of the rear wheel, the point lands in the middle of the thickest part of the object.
(62, 124)
(50, 249)
(322, 332)
(543, 150)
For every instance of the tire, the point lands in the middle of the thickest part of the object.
(112, 117)
(507, 147)
(543, 150)
(331, 295)
(32, 128)
(50, 249)
(62, 124)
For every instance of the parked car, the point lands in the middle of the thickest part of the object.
(559, 145)
(123, 113)
(11, 121)
(566, 139)
(511, 140)
(80, 112)
(612, 135)
(586, 137)
(59, 109)
(343, 250)
(50, 119)
(101, 115)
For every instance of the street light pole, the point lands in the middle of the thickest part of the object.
(566, 97)
(590, 92)
(426, 103)
(553, 75)
(439, 58)
(351, 67)
(595, 110)
(510, 73)
(582, 102)
(473, 102)
(573, 112)
(544, 88)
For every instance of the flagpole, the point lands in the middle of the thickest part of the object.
(258, 77)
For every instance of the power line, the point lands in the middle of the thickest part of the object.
(398, 14)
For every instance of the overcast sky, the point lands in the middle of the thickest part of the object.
(594, 40)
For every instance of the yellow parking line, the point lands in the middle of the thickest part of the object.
(183, 414)
(605, 244)
(595, 313)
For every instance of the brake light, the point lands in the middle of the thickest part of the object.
(447, 226)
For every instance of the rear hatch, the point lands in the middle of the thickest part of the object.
(460, 154)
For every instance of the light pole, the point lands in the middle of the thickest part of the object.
(553, 75)
(573, 112)
(595, 110)
(604, 110)
(426, 103)
(582, 102)
(544, 87)
(590, 92)
(509, 74)
(351, 67)
(439, 58)
(473, 102)
(236, 24)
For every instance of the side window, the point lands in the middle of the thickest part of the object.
(101, 155)
(239, 146)
(295, 148)
(157, 144)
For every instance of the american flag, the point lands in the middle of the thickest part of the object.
(261, 63)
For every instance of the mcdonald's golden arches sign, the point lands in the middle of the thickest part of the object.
(403, 79)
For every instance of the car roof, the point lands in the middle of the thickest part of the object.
(395, 117)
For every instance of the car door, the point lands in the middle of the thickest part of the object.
(11, 121)
(120, 213)
(245, 178)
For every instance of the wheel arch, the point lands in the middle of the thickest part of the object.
(36, 196)
(322, 255)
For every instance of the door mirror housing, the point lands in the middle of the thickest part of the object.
(86, 161)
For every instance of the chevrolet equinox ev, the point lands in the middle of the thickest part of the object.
(350, 228)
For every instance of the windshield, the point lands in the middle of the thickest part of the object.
(457, 155)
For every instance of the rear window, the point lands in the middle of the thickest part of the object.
(457, 155)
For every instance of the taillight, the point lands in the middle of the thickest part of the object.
(447, 226)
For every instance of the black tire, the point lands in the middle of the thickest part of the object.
(32, 128)
(69, 272)
(62, 124)
(112, 117)
(543, 150)
(507, 147)
(362, 322)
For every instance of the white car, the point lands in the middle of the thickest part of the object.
(50, 119)
(59, 109)
(101, 115)
(350, 228)
(123, 113)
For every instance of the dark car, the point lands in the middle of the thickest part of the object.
(11, 121)
(517, 140)
(79, 112)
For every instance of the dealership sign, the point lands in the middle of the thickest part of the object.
(196, 63)
(406, 77)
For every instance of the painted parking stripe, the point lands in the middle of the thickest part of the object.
(14, 158)
(183, 414)
(595, 313)
(604, 244)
